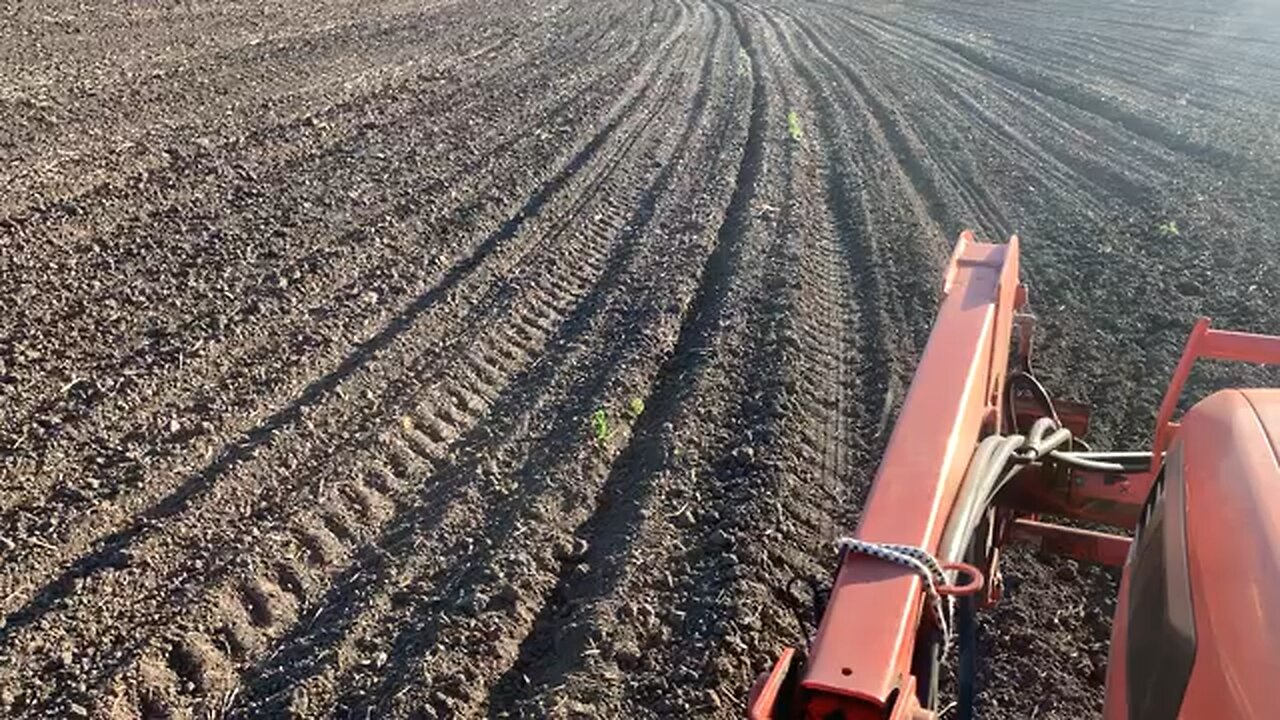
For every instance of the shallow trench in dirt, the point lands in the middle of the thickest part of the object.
(444, 359)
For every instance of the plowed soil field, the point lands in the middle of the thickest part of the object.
(448, 358)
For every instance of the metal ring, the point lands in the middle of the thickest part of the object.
(976, 580)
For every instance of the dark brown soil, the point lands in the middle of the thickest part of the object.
(444, 359)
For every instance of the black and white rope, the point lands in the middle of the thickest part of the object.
(923, 564)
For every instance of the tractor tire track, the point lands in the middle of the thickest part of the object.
(487, 565)
(634, 544)
(278, 288)
(260, 355)
(319, 538)
(509, 358)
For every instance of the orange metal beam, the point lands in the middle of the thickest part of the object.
(1091, 495)
(1084, 545)
(862, 651)
(1211, 345)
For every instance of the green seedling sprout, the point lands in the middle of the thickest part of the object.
(635, 407)
(793, 126)
(600, 426)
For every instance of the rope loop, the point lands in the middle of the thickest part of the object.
(919, 561)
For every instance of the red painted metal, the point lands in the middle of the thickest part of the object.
(1078, 543)
(861, 654)
(908, 708)
(1106, 498)
(1230, 466)
(1210, 345)
(859, 662)
(1116, 694)
(975, 583)
(1231, 469)
(765, 693)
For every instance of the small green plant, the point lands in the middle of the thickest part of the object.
(600, 426)
(793, 126)
(1167, 229)
(635, 407)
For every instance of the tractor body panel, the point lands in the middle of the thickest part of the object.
(1197, 631)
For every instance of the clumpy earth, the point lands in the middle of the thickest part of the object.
(448, 359)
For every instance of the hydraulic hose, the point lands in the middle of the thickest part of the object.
(1094, 461)
(994, 463)
(996, 460)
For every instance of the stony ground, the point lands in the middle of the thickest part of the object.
(446, 359)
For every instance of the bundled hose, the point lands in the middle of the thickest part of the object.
(995, 462)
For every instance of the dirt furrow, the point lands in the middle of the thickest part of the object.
(522, 359)
(887, 198)
(194, 393)
(797, 421)
(1073, 88)
(88, 312)
(511, 335)
(638, 540)
(924, 173)
(355, 121)
(137, 536)
(1007, 182)
(273, 77)
(1006, 118)
(524, 541)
